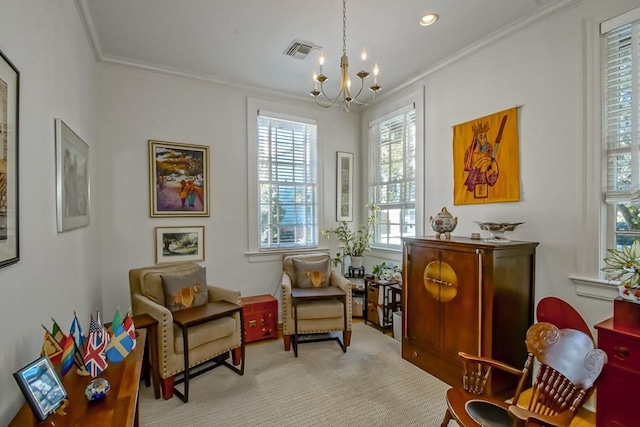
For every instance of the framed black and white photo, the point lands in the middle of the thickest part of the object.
(41, 387)
(344, 186)
(9, 231)
(179, 244)
(72, 179)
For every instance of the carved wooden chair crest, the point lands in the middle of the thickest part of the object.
(569, 366)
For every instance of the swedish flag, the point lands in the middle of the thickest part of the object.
(120, 345)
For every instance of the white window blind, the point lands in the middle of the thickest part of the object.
(392, 142)
(287, 182)
(621, 69)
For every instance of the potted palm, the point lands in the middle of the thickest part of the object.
(354, 243)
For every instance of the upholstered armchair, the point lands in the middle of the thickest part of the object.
(319, 316)
(207, 341)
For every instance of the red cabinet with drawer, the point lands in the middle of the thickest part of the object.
(260, 317)
(619, 383)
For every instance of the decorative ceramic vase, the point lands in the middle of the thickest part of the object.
(443, 223)
(97, 389)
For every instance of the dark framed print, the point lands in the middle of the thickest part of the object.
(178, 179)
(344, 186)
(41, 387)
(179, 244)
(9, 230)
(72, 179)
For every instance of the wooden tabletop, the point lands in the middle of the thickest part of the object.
(311, 293)
(118, 408)
(203, 313)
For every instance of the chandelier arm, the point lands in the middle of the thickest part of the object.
(369, 101)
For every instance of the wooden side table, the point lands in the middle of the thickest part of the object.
(260, 317)
(391, 295)
(195, 316)
(150, 360)
(309, 294)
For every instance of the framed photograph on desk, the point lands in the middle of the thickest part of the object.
(41, 387)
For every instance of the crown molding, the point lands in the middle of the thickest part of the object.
(84, 10)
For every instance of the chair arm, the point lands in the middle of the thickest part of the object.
(535, 419)
(340, 281)
(217, 293)
(490, 362)
(287, 304)
(159, 312)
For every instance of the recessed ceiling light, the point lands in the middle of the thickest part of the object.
(428, 19)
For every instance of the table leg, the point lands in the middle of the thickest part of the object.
(344, 330)
(295, 326)
(185, 342)
(365, 309)
(152, 334)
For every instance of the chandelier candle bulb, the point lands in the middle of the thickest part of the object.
(364, 54)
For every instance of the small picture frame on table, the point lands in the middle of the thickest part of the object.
(41, 387)
(179, 244)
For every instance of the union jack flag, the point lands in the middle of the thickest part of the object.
(94, 357)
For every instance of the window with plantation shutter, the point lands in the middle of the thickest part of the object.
(287, 182)
(621, 103)
(392, 175)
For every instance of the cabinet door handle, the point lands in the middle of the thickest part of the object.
(621, 352)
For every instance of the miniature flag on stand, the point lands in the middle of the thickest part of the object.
(119, 346)
(56, 331)
(51, 348)
(68, 352)
(94, 357)
(78, 336)
(128, 326)
(116, 323)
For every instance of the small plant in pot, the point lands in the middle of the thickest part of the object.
(624, 265)
(387, 272)
(354, 243)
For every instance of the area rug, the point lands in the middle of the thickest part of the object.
(370, 385)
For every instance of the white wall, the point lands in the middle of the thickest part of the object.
(542, 69)
(57, 273)
(136, 106)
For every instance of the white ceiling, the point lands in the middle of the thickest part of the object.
(242, 41)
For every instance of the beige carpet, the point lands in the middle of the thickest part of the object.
(371, 385)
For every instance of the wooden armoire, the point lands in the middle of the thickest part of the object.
(466, 295)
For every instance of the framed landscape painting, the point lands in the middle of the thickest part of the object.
(178, 179)
(179, 244)
(9, 231)
(72, 179)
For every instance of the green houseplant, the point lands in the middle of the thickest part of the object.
(354, 243)
(624, 265)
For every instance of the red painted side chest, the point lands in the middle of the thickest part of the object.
(260, 317)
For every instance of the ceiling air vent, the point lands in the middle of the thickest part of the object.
(299, 49)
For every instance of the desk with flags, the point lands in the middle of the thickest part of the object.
(118, 408)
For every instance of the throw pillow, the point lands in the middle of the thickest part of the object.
(185, 290)
(311, 274)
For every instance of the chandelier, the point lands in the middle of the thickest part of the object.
(345, 94)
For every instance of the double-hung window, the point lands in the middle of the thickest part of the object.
(287, 180)
(620, 127)
(392, 175)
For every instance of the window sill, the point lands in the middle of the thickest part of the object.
(595, 288)
(277, 255)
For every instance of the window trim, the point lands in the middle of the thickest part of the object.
(380, 113)
(286, 112)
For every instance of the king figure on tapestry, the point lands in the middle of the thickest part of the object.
(485, 157)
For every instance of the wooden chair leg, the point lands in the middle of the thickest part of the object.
(236, 356)
(167, 387)
(447, 418)
(287, 342)
(347, 338)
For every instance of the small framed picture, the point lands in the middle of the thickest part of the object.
(41, 387)
(178, 179)
(179, 244)
(72, 179)
(344, 186)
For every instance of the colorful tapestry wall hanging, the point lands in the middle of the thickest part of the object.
(486, 160)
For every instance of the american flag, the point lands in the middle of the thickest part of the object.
(94, 358)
